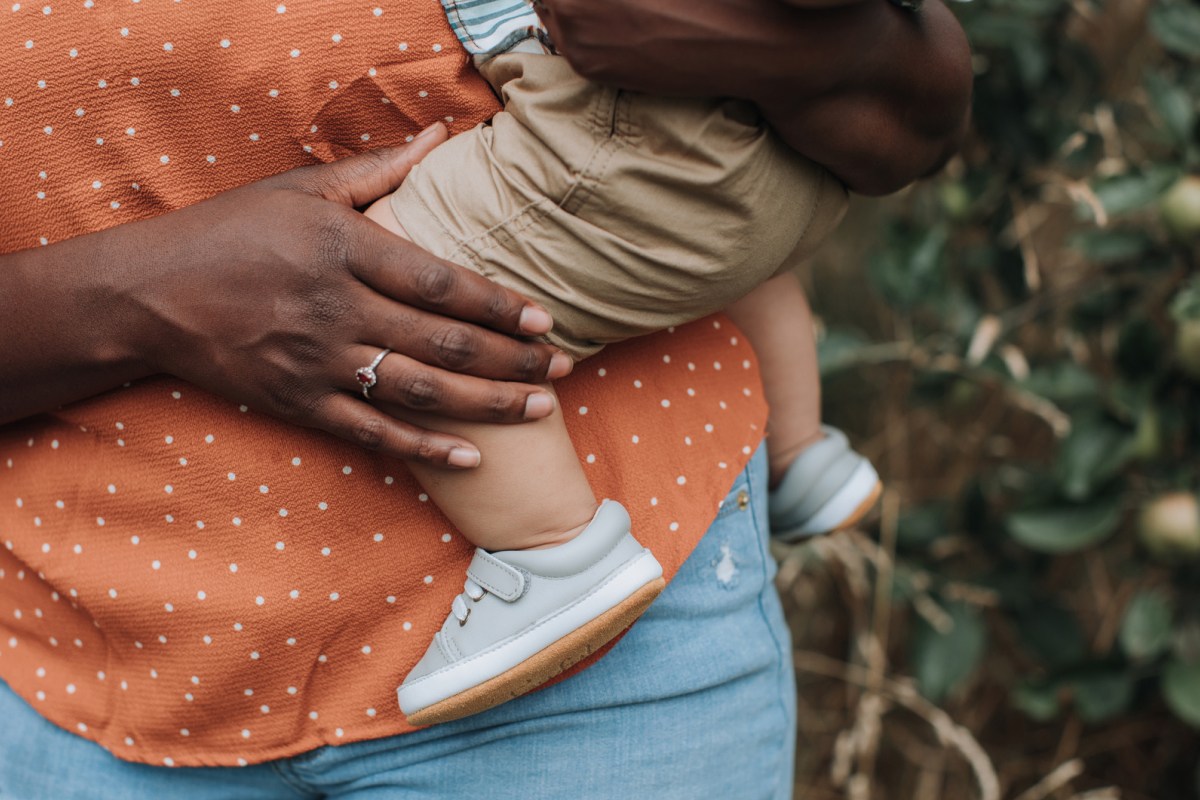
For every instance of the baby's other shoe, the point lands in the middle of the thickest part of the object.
(829, 487)
(526, 615)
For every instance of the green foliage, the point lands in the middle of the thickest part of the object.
(1069, 226)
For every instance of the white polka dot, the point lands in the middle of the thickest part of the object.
(225, 44)
(334, 595)
(296, 461)
(168, 607)
(407, 626)
(346, 470)
(233, 567)
(371, 712)
(201, 595)
(378, 537)
(583, 410)
(294, 593)
(258, 601)
(428, 579)
(366, 648)
(254, 655)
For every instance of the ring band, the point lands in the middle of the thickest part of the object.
(366, 375)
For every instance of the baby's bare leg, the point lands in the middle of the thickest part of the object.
(778, 322)
(529, 490)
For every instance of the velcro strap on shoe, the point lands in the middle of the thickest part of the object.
(500, 579)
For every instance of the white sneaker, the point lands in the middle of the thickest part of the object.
(526, 615)
(828, 488)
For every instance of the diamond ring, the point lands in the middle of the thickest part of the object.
(366, 375)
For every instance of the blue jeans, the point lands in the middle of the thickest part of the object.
(697, 701)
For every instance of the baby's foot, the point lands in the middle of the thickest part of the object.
(829, 487)
(526, 615)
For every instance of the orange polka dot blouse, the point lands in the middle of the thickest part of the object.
(189, 582)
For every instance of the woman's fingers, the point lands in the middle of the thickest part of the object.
(369, 428)
(457, 346)
(403, 271)
(403, 382)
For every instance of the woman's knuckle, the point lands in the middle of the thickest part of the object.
(434, 283)
(424, 448)
(369, 433)
(529, 365)
(334, 242)
(454, 346)
(421, 392)
(500, 406)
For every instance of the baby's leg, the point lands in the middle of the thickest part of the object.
(818, 483)
(778, 322)
(529, 490)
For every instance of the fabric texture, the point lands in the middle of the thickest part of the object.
(489, 27)
(621, 213)
(697, 701)
(188, 582)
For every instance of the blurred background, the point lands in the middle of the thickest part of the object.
(1022, 618)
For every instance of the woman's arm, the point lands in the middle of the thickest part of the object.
(272, 295)
(876, 93)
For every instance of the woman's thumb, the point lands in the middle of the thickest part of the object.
(363, 178)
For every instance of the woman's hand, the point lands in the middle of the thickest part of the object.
(273, 295)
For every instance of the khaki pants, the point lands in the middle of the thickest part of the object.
(621, 213)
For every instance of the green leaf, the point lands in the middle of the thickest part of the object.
(920, 527)
(942, 661)
(1111, 246)
(911, 270)
(1102, 695)
(1063, 382)
(1181, 690)
(1066, 528)
(1177, 27)
(1146, 627)
(1175, 105)
(1186, 303)
(1095, 451)
(837, 350)
(1052, 634)
(1126, 193)
(1039, 701)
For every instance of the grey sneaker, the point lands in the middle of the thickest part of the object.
(526, 615)
(828, 488)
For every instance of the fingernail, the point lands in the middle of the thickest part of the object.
(535, 320)
(560, 366)
(538, 406)
(427, 132)
(463, 457)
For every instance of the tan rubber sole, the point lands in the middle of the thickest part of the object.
(532, 673)
(857, 514)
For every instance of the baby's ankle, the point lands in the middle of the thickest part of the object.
(780, 456)
(549, 532)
